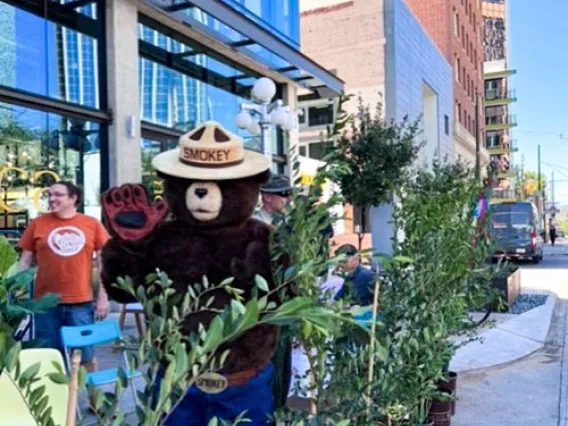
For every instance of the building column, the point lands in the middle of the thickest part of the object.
(125, 163)
(290, 98)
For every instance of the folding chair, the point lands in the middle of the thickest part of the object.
(13, 407)
(78, 337)
(138, 311)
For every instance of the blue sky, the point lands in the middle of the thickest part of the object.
(538, 50)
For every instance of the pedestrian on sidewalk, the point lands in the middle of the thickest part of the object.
(62, 244)
(552, 228)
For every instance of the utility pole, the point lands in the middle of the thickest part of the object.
(542, 196)
(552, 190)
(539, 183)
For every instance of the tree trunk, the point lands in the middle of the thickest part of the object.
(362, 225)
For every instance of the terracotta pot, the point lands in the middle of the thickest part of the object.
(451, 385)
(441, 411)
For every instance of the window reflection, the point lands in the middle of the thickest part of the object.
(47, 59)
(37, 149)
(149, 149)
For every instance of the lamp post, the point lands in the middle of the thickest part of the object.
(258, 117)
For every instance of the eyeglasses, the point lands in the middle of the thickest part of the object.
(56, 194)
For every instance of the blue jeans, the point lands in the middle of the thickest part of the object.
(48, 325)
(255, 397)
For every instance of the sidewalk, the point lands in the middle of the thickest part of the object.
(513, 337)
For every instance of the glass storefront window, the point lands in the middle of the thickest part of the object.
(48, 59)
(149, 149)
(37, 149)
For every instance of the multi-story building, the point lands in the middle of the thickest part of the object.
(91, 90)
(498, 95)
(456, 28)
(381, 51)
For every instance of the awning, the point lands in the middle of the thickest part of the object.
(247, 35)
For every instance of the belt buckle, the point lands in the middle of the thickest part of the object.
(211, 383)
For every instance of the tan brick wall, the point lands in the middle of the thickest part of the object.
(348, 37)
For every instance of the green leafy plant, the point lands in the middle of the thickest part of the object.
(16, 304)
(173, 361)
(427, 299)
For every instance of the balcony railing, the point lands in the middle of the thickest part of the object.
(495, 147)
(496, 95)
(500, 121)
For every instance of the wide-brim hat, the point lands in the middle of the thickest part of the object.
(277, 184)
(210, 152)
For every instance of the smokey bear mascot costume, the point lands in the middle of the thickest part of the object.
(211, 186)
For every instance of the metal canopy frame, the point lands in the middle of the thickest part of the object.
(253, 33)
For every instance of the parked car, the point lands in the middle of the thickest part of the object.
(515, 230)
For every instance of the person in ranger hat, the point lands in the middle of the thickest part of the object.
(275, 196)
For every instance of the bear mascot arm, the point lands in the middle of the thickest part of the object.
(131, 221)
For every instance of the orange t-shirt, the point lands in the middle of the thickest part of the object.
(63, 250)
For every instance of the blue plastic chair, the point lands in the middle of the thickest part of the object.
(77, 337)
(364, 319)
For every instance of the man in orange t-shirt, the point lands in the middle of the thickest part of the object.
(63, 243)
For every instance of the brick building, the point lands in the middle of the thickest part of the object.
(382, 53)
(456, 28)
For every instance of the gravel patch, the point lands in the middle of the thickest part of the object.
(526, 302)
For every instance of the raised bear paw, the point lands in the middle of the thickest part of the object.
(129, 214)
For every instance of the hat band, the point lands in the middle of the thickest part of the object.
(210, 165)
(210, 158)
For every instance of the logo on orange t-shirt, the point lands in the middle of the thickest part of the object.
(66, 241)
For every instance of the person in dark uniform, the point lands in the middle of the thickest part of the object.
(360, 280)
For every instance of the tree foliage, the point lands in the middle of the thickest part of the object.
(371, 156)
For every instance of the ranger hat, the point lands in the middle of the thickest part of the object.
(210, 152)
(277, 185)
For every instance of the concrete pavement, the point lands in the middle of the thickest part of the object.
(532, 390)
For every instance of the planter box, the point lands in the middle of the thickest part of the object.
(509, 284)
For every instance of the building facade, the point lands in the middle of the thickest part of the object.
(499, 97)
(456, 28)
(90, 91)
(386, 58)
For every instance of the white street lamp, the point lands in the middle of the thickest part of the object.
(280, 116)
(263, 90)
(268, 112)
(243, 120)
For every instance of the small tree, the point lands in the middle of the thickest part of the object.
(370, 160)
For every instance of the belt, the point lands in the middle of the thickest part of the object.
(241, 378)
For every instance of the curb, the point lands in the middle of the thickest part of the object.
(509, 341)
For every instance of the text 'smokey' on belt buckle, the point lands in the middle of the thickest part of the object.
(211, 383)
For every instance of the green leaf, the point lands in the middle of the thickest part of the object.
(21, 279)
(119, 419)
(31, 371)
(58, 378)
(214, 334)
(8, 256)
(13, 356)
(261, 283)
(213, 422)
